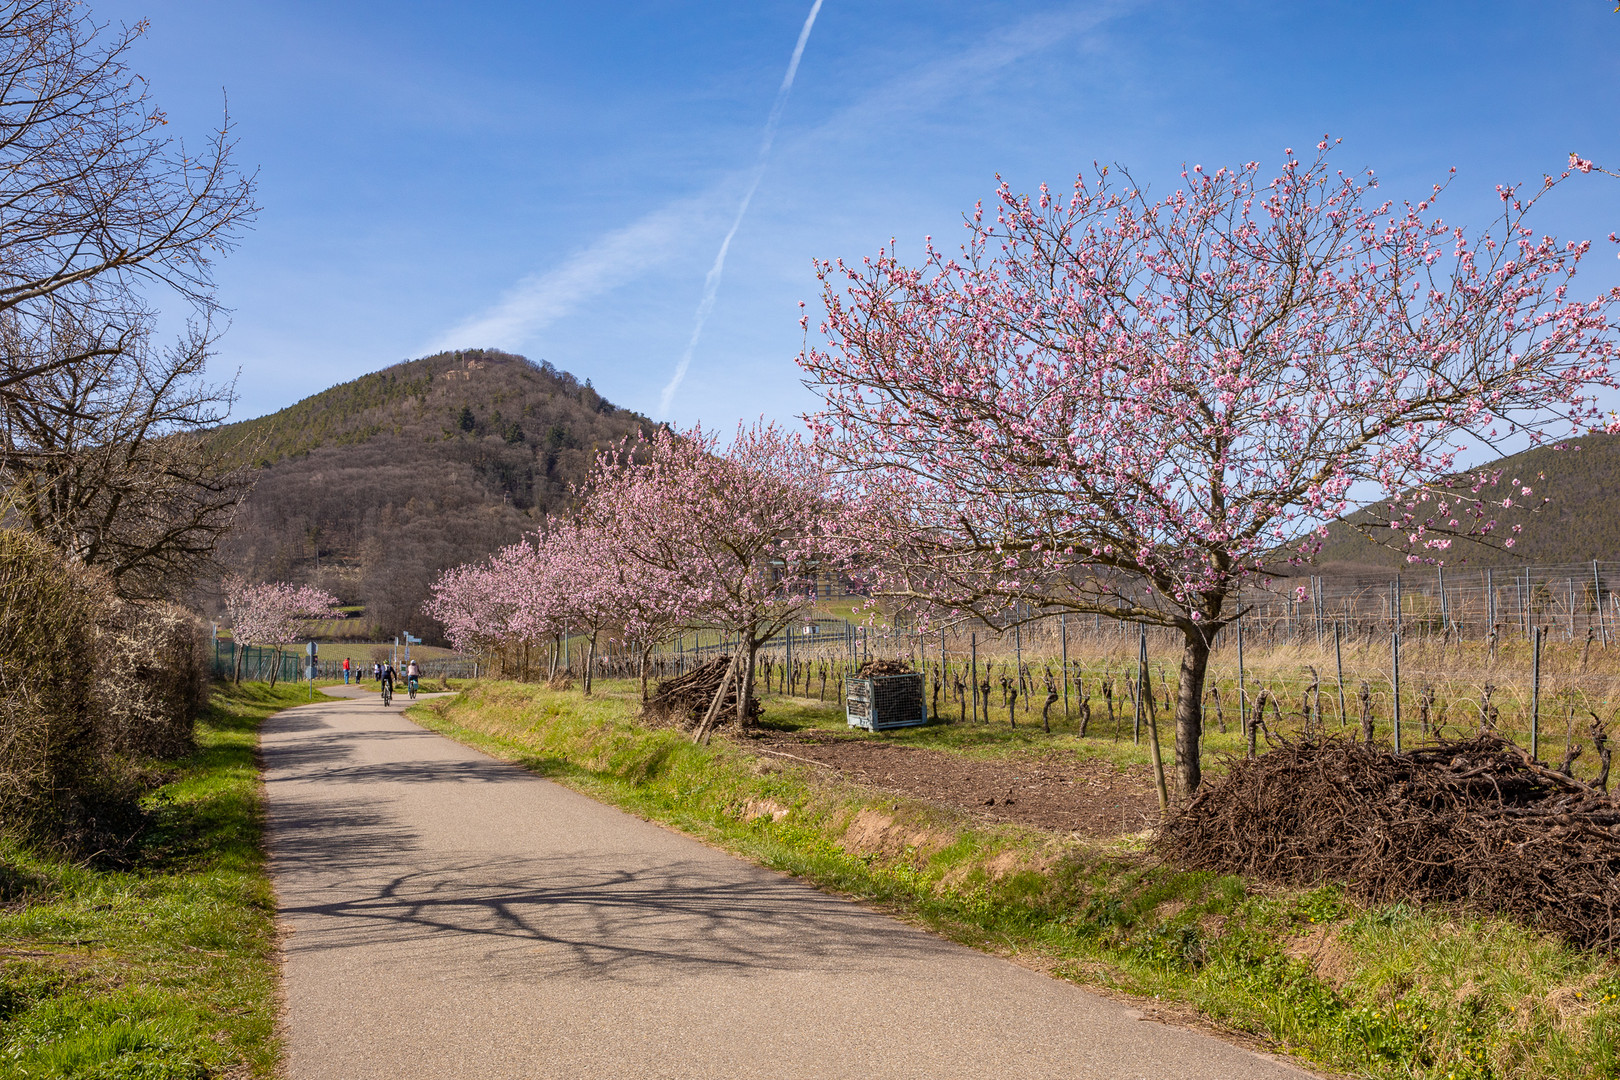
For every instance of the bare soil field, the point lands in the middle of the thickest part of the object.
(1052, 790)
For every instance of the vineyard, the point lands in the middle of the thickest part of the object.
(1321, 663)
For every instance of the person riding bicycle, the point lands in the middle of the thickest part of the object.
(387, 680)
(413, 673)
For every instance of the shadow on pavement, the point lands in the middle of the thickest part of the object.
(558, 917)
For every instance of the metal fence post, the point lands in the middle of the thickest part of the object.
(1445, 612)
(1338, 663)
(1063, 629)
(1395, 664)
(1535, 694)
(1490, 609)
(974, 645)
(1141, 669)
(1243, 693)
(1018, 659)
(1597, 603)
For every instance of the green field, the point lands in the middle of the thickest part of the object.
(162, 968)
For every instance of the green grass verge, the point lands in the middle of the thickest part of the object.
(1393, 991)
(165, 969)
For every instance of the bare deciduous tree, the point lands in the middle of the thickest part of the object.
(96, 202)
(108, 460)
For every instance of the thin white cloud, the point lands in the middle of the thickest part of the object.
(612, 260)
(625, 254)
(925, 88)
(711, 280)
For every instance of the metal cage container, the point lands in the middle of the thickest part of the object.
(885, 701)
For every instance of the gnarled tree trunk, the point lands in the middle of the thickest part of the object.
(1190, 710)
(745, 692)
(590, 664)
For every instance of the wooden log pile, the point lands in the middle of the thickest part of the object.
(1473, 822)
(685, 699)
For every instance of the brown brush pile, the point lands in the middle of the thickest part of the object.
(685, 699)
(1473, 822)
(876, 669)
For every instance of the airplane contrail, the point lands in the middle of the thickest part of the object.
(711, 281)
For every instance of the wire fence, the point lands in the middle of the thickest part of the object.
(292, 665)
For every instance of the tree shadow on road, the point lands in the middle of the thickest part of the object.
(565, 917)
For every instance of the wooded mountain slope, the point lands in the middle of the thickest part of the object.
(372, 488)
(1580, 522)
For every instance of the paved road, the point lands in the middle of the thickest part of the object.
(449, 915)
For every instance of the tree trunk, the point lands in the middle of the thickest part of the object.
(590, 664)
(644, 653)
(241, 653)
(745, 692)
(1190, 710)
(275, 668)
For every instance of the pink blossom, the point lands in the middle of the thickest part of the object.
(1109, 392)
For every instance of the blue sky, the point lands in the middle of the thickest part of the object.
(555, 179)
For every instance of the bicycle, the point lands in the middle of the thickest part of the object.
(387, 692)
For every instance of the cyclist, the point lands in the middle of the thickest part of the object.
(412, 675)
(387, 683)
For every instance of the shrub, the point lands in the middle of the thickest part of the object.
(89, 686)
(49, 613)
(152, 681)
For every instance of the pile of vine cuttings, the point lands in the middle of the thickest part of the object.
(685, 699)
(1473, 822)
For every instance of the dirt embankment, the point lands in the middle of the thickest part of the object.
(1051, 790)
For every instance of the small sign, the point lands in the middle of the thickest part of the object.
(311, 649)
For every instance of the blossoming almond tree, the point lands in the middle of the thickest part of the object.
(725, 537)
(650, 610)
(580, 580)
(489, 606)
(568, 578)
(271, 614)
(1123, 405)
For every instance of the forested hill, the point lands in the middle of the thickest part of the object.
(371, 488)
(1580, 522)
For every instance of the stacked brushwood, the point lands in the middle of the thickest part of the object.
(877, 669)
(685, 699)
(1473, 822)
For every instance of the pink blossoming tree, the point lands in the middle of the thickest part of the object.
(272, 614)
(580, 580)
(1124, 405)
(725, 539)
(495, 606)
(570, 578)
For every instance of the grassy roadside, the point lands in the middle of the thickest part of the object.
(1391, 991)
(164, 969)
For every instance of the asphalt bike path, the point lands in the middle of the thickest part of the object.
(449, 915)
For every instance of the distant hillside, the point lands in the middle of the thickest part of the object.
(372, 488)
(1580, 522)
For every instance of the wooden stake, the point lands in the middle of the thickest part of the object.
(1145, 690)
